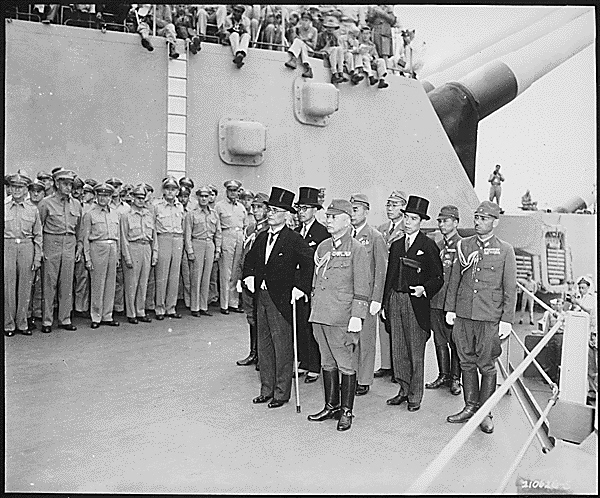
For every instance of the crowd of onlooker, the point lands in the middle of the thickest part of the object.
(356, 42)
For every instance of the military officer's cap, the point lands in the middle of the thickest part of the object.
(44, 175)
(36, 185)
(585, 279)
(138, 191)
(149, 188)
(205, 189)
(365, 28)
(488, 208)
(88, 188)
(91, 181)
(339, 206)
(186, 182)
(260, 198)
(170, 182)
(104, 188)
(360, 199)
(397, 196)
(214, 189)
(56, 170)
(448, 212)
(232, 184)
(184, 191)
(248, 194)
(114, 181)
(65, 174)
(78, 182)
(19, 180)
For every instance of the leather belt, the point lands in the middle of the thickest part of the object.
(238, 229)
(20, 241)
(202, 238)
(103, 241)
(176, 235)
(143, 242)
(60, 234)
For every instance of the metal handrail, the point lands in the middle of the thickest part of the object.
(448, 452)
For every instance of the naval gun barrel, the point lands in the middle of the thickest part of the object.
(462, 104)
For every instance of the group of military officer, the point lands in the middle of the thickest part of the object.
(344, 277)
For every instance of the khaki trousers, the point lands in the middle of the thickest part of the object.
(170, 251)
(82, 287)
(201, 268)
(59, 267)
(18, 279)
(136, 279)
(231, 252)
(185, 287)
(103, 277)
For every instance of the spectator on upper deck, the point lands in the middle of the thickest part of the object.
(291, 26)
(164, 26)
(304, 39)
(238, 27)
(373, 65)
(352, 15)
(411, 57)
(272, 33)
(381, 18)
(47, 12)
(352, 56)
(328, 45)
(213, 14)
(185, 26)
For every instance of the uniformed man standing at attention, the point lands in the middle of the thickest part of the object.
(101, 246)
(22, 255)
(481, 303)
(232, 216)
(48, 181)
(391, 231)
(61, 218)
(340, 303)
(184, 290)
(169, 228)
(36, 194)
(377, 253)
(213, 289)
(139, 248)
(445, 349)
(414, 276)
(82, 275)
(202, 233)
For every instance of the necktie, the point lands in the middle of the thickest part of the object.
(354, 233)
(271, 238)
(407, 243)
(392, 229)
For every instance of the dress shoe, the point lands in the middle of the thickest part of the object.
(442, 380)
(112, 323)
(192, 47)
(487, 425)
(455, 388)
(308, 72)
(174, 315)
(413, 407)
(224, 311)
(291, 64)
(147, 45)
(382, 84)
(362, 390)
(276, 403)
(236, 310)
(31, 324)
(397, 400)
(345, 421)
(160, 317)
(25, 332)
(251, 359)
(311, 378)
(144, 319)
(204, 313)
(133, 320)
(95, 325)
(261, 399)
(382, 372)
(196, 314)
(196, 42)
(373, 80)
(46, 329)
(9, 333)
(67, 326)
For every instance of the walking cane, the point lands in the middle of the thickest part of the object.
(294, 327)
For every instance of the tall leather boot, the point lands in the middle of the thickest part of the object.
(348, 392)
(331, 384)
(443, 360)
(252, 358)
(454, 373)
(488, 386)
(471, 392)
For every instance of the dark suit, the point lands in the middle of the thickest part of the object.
(409, 315)
(308, 349)
(290, 265)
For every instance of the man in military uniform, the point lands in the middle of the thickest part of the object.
(495, 181)
(121, 207)
(169, 217)
(37, 191)
(48, 181)
(340, 302)
(259, 212)
(481, 304)
(101, 246)
(22, 255)
(391, 231)
(139, 248)
(184, 290)
(232, 216)
(313, 233)
(377, 254)
(61, 218)
(213, 289)
(279, 268)
(82, 275)
(202, 234)
(77, 188)
(414, 275)
(445, 349)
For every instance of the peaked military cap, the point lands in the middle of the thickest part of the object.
(360, 199)
(114, 181)
(214, 189)
(449, 211)
(488, 208)
(88, 188)
(77, 182)
(170, 182)
(260, 198)
(138, 191)
(104, 188)
(339, 206)
(397, 196)
(36, 185)
(186, 182)
(232, 184)
(91, 181)
(56, 170)
(44, 175)
(19, 180)
(65, 174)
(205, 189)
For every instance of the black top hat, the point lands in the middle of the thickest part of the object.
(282, 198)
(417, 205)
(309, 196)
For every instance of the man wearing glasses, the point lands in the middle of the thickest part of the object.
(278, 269)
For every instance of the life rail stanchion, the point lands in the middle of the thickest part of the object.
(436, 466)
(154, 20)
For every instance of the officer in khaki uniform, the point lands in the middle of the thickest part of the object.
(139, 249)
(22, 255)
(61, 218)
(169, 216)
(391, 231)
(184, 290)
(202, 234)
(48, 181)
(101, 247)
(377, 253)
(340, 303)
(118, 204)
(481, 301)
(232, 216)
(36, 194)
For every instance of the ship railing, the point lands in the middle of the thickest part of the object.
(428, 476)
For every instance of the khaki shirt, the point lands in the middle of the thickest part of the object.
(137, 226)
(232, 215)
(202, 224)
(22, 221)
(168, 217)
(60, 217)
(100, 223)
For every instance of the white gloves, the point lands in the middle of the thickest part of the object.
(383, 313)
(374, 308)
(249, 281)
(297, 294)
(238, 286)
(505, 329)
(450, 316)
(417, 290)
(355, 324)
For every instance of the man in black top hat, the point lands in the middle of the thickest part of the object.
(414, 276)
(313, 233)
(278, 269)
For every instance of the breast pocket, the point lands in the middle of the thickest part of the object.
(72, 218)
